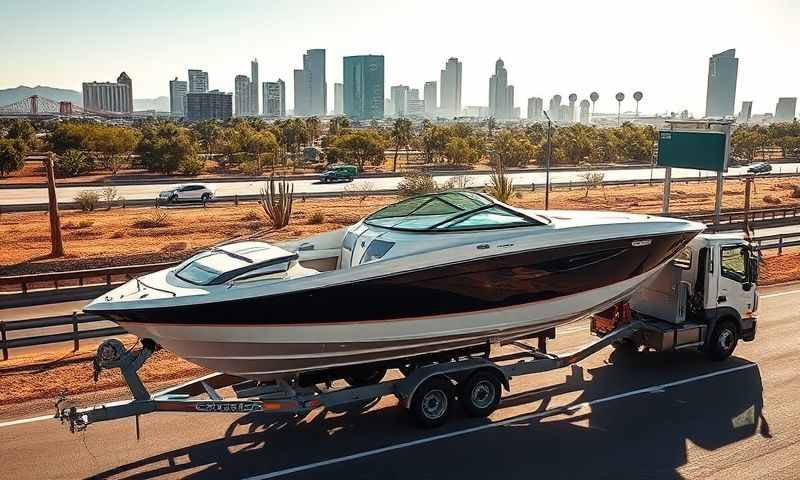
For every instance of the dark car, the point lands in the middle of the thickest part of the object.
(339, 173)
(760, 168)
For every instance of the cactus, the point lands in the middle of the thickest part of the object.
(277, 203)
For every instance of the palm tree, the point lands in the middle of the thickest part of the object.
(313, 125)
(491, 124)
(401, 135)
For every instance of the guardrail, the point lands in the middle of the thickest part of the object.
(80, 278)
(767, 242)
(758, 215)
(75, 336)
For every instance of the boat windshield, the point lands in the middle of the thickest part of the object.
(449, 211)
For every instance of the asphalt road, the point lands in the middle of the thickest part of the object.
(633, 416)
(228, 189)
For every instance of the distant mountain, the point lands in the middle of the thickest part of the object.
(11, 95)
(159, 104)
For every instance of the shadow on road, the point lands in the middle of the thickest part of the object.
(643, 435)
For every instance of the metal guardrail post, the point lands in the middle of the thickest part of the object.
(3, 339)
(76, 338)
(780, 244)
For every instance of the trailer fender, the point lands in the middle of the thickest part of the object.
(453, 371)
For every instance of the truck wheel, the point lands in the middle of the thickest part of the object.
(365, 377)
(479, 395)
(431, 403)
(722, 341)
(206, 198)
(173, 199)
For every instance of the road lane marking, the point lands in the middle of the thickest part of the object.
(522, 418)
(779, 294)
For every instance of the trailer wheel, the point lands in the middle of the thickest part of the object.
(723, 341)
(431, 403)
(479, 395)
(362, 378)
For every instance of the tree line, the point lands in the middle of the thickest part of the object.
(254, 146)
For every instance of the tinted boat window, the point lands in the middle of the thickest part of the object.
(491, 218)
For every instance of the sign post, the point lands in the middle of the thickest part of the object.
(698, 144)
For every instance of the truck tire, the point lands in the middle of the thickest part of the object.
(722, 341)
(432, 402)
(479, 394)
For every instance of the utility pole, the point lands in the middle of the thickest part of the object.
(547, 163)
(55, 221)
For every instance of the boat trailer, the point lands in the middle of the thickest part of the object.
(428, 391)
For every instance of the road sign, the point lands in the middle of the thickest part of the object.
(699, 149)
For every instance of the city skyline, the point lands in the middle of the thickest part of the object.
(620, 59)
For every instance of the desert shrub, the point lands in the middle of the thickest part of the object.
(795, 191)
(192, 165)
(119, 234)
(77, 226)
(500, 186)
(361, 189)
(87, 200)
(772, 200)
(251, 167)
(459, 182)
(415, 183)
(12, 155)
(71, 164)
(316, 218)
(109, 195)
(158, 218)
(251, 216)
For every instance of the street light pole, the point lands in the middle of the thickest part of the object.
(547, 164)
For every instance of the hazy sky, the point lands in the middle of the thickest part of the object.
(562, 46)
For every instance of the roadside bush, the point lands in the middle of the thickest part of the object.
(193, 165)
(251, 167)
(71, 164)
(416, 183)
(500, 186)
(795, 191)
(459, 182)
(772, 200)
(109, 195)
(362, 189)
(12, 156)
(79, 225)
(316, 218)
(87, 200)
(251, 216)
(158, 218)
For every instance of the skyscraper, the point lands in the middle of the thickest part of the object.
(450, 79)
(554, 111)
(274, 94)
(302, 93)
(338, 98)
(109, 96)
(208, 105)
(430, 98)
(177, 97)
(721, 92)
(399, 96)
(198, 81)
(254, 87)
(310, 86)
(785, 109)
(363, 87)
(242, 93)
(501, 97)
(535, 109)
(745, 112)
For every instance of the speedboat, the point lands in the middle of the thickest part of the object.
(433, 273)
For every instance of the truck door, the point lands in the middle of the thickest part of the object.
(735, 288)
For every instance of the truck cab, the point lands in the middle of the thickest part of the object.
(707, 298)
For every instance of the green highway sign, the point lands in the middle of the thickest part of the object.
(698, 149)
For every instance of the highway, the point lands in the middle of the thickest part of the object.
(614, 415)
(11, 196)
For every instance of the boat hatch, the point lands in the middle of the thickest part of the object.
(221, 264)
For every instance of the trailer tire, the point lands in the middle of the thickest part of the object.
(723, 341)
(432, 402)
(480, 394)
(362, 378)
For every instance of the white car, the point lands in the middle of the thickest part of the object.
(191, 192)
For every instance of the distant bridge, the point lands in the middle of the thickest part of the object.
(37, 106)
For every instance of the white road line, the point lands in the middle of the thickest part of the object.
(779, 294)
(522, 418)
